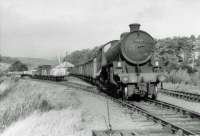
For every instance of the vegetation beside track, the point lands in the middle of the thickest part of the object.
(24, 97)
(181, 80)
(183, 87)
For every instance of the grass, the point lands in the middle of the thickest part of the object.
(182, 87)
(26, 97)
(180, 76)
(4, 66)
(182, 81)
(5, 85)
(30, 104)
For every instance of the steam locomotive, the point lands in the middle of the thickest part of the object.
(125, 68)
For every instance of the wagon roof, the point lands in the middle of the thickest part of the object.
(65, 64)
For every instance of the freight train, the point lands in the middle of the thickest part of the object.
(125, 68)
(47, 72)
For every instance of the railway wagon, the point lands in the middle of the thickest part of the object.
(86, 71)
(44, 72)
(125, 68)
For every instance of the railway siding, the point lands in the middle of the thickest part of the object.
(180, 119)
(172, 127)
(194, 97)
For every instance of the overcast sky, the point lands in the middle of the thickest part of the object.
(46, 28)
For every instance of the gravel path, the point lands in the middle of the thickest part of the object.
(77, 80)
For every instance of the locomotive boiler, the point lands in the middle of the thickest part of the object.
(127, 67)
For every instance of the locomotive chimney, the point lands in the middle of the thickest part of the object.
(134, 27)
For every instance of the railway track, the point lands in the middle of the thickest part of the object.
(182, 95)
(174, 119)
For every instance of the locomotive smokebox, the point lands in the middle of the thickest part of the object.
(134, 27)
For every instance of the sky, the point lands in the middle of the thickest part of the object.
(49, 28)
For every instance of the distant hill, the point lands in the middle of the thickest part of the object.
(8, 60)
(30, 62)
(34, 62)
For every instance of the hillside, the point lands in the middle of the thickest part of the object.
(30, 62)
(7, 60)
(34, 62)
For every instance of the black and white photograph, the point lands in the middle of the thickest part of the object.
(99, 68)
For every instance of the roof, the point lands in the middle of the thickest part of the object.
(65, 64)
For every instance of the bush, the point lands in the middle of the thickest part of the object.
(179, 76)
(18, 66)
(172, 66)
(195, 77)
(182, 87)
(189, 69)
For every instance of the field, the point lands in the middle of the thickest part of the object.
(32, 108)
(18, 102)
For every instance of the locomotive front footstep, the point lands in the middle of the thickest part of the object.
(113, 133)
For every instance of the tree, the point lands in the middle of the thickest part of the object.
(81, 56)
(198, 38)
(18, 66)
(192, 37)
(174, 51)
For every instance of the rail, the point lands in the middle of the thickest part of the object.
(182, 95)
